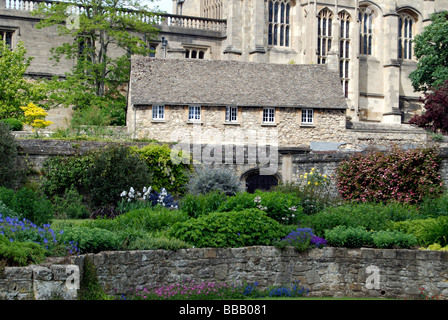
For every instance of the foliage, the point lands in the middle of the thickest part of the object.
(229, 229)
(431, 51)
(356, 237)
(34, 116)
(91, 240)
(98, 74)
(433, 207)
(8, 157)
(14, 124)
(15, 90)
(434, 117)
(20, 254)
(435, 247)
(173, 176)
(152, 242)
(282, 207)
(201, 204)
(400, 175)
(292, 290)
(147, 198)
(205, 180)
(70, 205)
(301, 239)
(28, 204)
(90, 287)
(371, 216)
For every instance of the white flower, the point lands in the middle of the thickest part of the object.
(123, 194)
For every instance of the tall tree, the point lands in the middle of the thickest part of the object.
(105, 33)
(431, 50)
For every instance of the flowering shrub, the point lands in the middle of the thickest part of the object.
(35, 117)
(134, 199)
(400, 175)
(302, 239)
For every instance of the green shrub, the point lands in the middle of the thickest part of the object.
(282, 207)
(435, 247)
(229, 229)
(200, 204)
(70, 205)
(400, 175)
(393, 239)
(427, 231)
(6, 212)
(7, 196)
(150, 241)
(14, 124)
(348, 237)
(165, 173)
(90, 287)
(91, 240)
(20, 254)
(8, 157)
(205, 180)
(434, 207)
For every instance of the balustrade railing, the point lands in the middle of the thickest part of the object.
(188, 22)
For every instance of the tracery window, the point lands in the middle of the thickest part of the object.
(366, 31)
(279, 23)
(405, 36)
(324, 35)
(212, 9)
(344, 50)
(194, 54)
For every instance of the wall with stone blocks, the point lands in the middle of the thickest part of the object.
(39, 282)
(397, 273)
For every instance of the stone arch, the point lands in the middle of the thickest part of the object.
(255, 181)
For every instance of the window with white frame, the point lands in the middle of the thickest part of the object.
(324, 35)
(278, 23)
(405, 36)
(158, 112)
(268, 115)
(307, 116)
(6, 36)
(366, 31)
(194, 113)
(231, 114)
(344, 50)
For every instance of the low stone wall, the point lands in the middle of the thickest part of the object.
(39, 282)
(365, 272)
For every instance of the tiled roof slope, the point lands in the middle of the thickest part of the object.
(224, 83)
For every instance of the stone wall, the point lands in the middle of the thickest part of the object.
(335, 272)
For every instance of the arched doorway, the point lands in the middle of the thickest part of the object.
(255, 181)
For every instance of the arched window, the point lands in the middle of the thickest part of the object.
(366, 31)
(279, 26)
(212, 9)
(344, 50)
(324, 35)
(405, 36)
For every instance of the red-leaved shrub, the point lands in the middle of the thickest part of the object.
(400, 175)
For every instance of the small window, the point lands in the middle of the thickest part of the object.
(231, 114)
(158, 112)
(153, 51)
(194, 113)
(7, 37)
(307, 116)
(269, 115)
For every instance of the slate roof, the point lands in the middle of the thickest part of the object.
(227, 83)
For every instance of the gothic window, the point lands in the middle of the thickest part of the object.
(6, 35)
(366, 31)
(231, 114)
(344, 50)
(269, 115)
(405, 35)
(194, 113)
(158, 112)
(212, 9)
(194, 54)
(279, 25)
(307, 116)
(324, 35)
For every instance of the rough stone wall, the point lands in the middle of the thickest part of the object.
(326, 272)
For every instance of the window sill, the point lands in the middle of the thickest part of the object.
(305, 125)
(230, 123)
(264, 124)
(158, 121)
(194, 122)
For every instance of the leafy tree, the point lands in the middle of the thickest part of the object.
(15, 90)
(431, 50)
(435, 116)
(105, 33)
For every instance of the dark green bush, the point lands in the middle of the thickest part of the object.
(20, 254)
(14, 124)
(348, 237)
(393, 239)
(229, 229)
(28, 204)
(70, 205)
(91, 240)
(198, 205)
(434, 207)
(8, 156)
(205, 180)
(282, 207)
